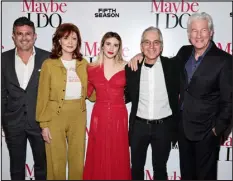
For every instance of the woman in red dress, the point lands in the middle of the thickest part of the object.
(107, 156)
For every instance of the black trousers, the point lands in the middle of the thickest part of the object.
(158, 135)
(16, 140)
(198, 159)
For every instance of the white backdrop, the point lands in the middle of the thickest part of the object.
(131, 18)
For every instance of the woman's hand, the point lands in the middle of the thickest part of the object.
(46, 135)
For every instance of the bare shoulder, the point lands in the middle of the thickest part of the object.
(122, 64)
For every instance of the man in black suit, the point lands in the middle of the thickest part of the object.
(206, 100)
(20, 70)
(153, 91)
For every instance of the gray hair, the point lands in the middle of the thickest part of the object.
(202, 16)
(152, 28)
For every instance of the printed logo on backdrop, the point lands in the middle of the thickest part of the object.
(29, 172)
(226, 150)
(174, 14)
(43, 14)
(230, 14)
(107, 13)
(91, 50)
(227, 47)
(173, 176)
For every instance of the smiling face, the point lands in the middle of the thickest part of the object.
(151, 45)
(69, 43)
(24, 37)
(111, 48)
(200, 34)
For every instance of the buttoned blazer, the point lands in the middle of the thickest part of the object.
(207, 98)
(17, 102)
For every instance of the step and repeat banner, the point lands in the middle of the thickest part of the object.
(129, 19)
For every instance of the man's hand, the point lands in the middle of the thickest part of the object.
(46, 135)
(214, 131)
(133, 63)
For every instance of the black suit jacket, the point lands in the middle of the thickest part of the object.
(16, 101)
(207, 99)
(172, 80)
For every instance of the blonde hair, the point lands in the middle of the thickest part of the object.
(100, 57)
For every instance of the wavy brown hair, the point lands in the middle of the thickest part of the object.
(64, 30)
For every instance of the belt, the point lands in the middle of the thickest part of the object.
(152, 121)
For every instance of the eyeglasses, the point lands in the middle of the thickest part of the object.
(149, 43)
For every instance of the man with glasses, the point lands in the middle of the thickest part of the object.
(153, 91)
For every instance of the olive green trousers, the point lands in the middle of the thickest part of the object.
(68, 129)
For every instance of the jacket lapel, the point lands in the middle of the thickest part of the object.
(12, 71)
(166, 72)
(138, 76)
(33, 81)
(204, 63)
(185, 58)
(78, 66)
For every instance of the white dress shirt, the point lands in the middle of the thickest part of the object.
(24, 71)
(73, 84)
(153, 98)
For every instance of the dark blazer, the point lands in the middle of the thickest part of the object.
(207, 99)
(172, 81)
(16, 101)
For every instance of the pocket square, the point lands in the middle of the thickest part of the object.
(39, 70)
